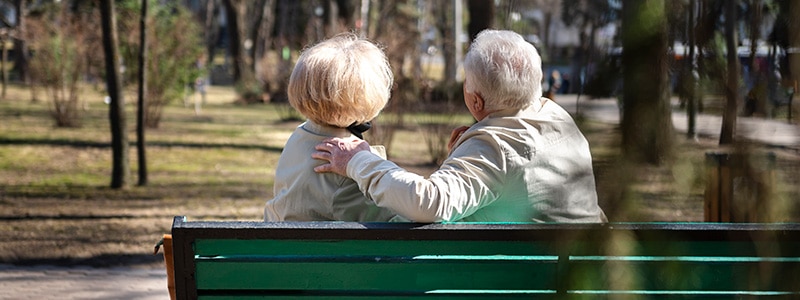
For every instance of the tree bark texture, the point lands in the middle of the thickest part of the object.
(647, 131)
(20, 45)
(116, 110)
(728, 131)
(235, 12)
(141, 109)
(481, 16)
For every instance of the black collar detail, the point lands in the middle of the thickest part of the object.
(359, 129)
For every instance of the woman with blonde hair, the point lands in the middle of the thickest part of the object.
(339, 85)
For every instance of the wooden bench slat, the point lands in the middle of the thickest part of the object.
(465, 259)
(676, 275)
(212, 247)
(671, 247)
(683, 295)
(433, 295)
(544, 295)
(410, 276)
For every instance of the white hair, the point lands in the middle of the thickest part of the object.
(504, 69)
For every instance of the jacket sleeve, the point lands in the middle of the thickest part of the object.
(462, 185)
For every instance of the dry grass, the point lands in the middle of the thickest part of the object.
(56, 207)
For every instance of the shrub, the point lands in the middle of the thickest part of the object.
(174, 48)
(61, 46)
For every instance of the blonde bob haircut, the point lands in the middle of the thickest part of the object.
(341, 81)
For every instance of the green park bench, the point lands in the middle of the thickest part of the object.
(346, 260)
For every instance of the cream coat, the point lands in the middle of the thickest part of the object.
(304, 195)
(532, 165)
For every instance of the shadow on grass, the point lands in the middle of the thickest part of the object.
(99, 261)
(152, 192)
(93, 144)
(29, 217)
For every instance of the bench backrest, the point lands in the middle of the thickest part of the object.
(343, 260)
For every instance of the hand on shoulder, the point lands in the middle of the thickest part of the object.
(337, 152)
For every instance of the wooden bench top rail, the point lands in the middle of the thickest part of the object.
(345, 260)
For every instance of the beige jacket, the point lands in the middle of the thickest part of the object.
(532, 165)
(304, 195)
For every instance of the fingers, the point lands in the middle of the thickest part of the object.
(325, 152)
(321, 155)
(324, 146)
(455, 135)
(337, 153)
(330, 144)
(326, 168)
(458, 132)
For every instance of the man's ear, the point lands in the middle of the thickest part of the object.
(478, 102)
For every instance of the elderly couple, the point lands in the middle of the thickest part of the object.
(524, 160)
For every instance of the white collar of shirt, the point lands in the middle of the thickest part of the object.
(534, 107)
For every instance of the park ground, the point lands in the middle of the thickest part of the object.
(217, 163)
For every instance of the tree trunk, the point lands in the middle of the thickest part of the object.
(728, 131)
(235, 12)
(141, 109)
(286, 34)
(330, 14)
(20, 45)
(481, 16)
(116, 111)
(647, 131)
(233, 39)
(211, 32)
(265, 26)
(263, 38)
(691, 105)
(758, 81)
(794, 43)
(445, 24)
(3, 65)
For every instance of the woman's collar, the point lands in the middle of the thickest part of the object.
(325, 130)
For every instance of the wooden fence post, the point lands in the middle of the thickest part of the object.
(738, 187)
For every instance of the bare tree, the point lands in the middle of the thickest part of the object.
(264, 24)
(62, 44)
(6, 34)
(235, 11)
(116, 111)
(20, 45)
(647, 131)
(397, 31)
(141, 109)
(208, 14)
(394, 26)
(445, 23)
(338, 15)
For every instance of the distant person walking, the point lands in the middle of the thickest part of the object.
(553, 85)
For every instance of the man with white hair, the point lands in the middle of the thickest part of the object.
(525, 160)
